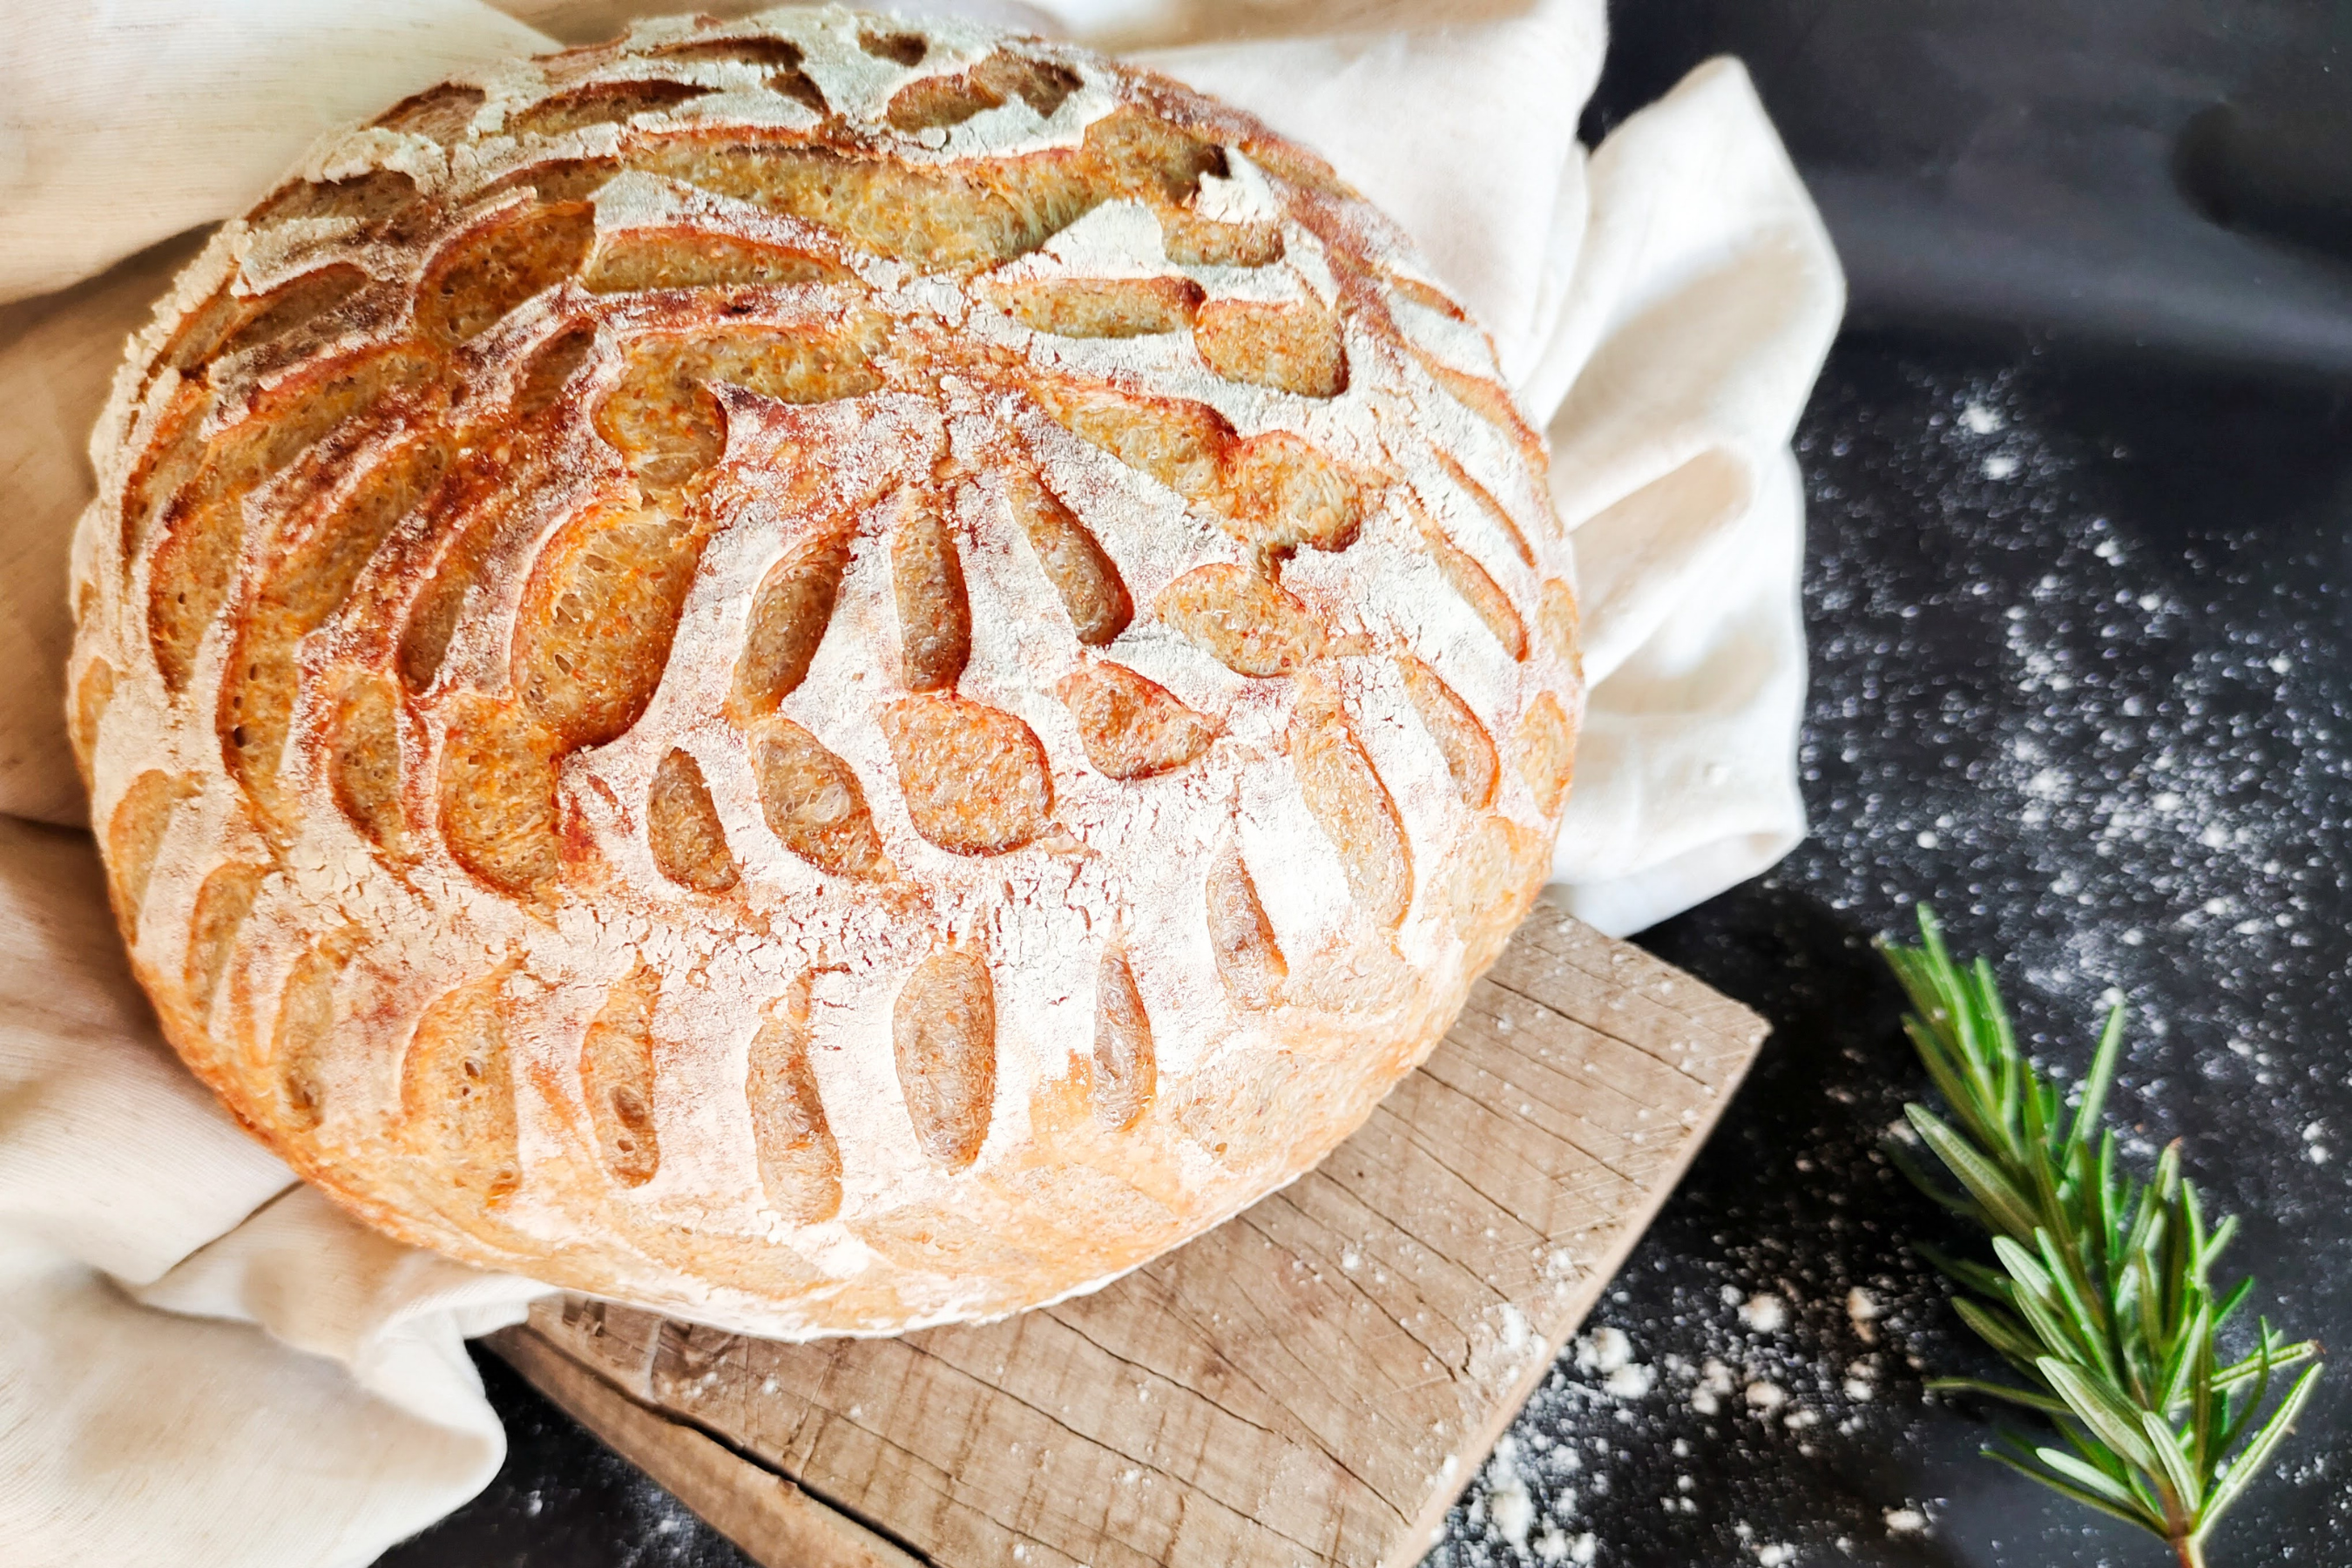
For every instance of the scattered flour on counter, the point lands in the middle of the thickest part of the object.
(1608, 1354)
(1862, 1311)
(1789, 1362)
(1629, 1382)
(1553, 1546)
(1714, 1387)
(1604, 1350)
(1507, 1503)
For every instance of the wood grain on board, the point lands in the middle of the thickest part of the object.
(1312, 1383)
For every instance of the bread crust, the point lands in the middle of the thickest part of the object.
(825, 676)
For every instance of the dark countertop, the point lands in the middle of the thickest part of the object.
(2080, 598)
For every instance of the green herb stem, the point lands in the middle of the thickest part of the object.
(2096, 1294)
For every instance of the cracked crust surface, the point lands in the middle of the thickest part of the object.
(824, 676)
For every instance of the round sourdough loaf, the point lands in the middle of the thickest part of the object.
(822, 675)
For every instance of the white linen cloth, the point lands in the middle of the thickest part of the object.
(201, 1362)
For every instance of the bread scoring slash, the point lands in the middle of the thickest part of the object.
(825, 675)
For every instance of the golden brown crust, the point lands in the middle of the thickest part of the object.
(826, 675)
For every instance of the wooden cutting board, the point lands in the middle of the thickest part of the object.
(1312, 1383)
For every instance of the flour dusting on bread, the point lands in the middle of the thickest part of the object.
(825, 675)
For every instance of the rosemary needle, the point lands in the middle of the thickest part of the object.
(2097, 1293)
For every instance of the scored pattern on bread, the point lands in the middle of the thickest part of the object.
(1243, 620)
(1547, 752)
(134, 838)
(1104, 306)
(683, 830)
(1273, 492)
(942, 101)
(1093, 594)
(363, 759)
(310, 584)
(231, 325)
(974, 778)
(616, 1074)
(1555, 614)
(1249, 959)
(1491, 509)
(943, 1029)
(1467, 577)
(787, 621)
(1132, 727)
(926, 574)
(801, 650)
(456, 1090)
(800, 1164)
(305, 1029)
(813, 803)
(1468, 750)
(1292, 348)
(497, 794)
(92, 691)
(222, 903)
(438, 113)
(191, 573)
(1126, 1072)
(1125, 1067)
(1351, 806)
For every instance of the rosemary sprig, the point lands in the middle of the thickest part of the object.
(2098, 1293)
